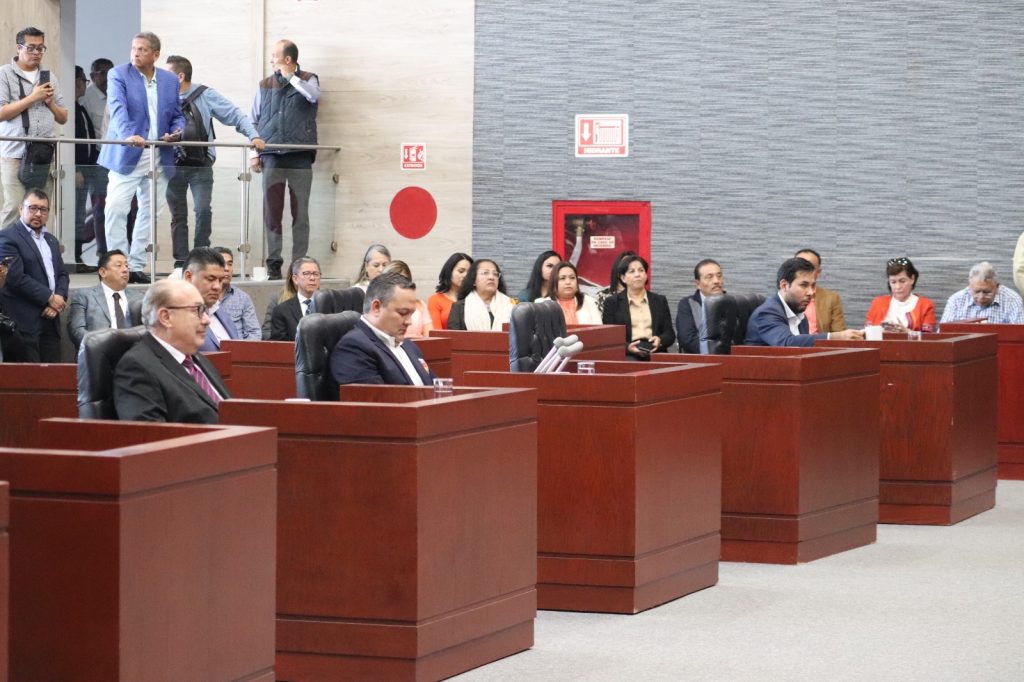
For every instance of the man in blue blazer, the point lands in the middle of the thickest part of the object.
(133, 91)
(780, 321)
(204, 269)
(37, 282)
(375, 352)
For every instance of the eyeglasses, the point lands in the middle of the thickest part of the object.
(310, 275)
(36, 209)
(898, 261)
(199, 309)
(36, 49)
(489, 273)
(83, 79)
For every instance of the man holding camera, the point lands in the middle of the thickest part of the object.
(30, 105)
(194, 165)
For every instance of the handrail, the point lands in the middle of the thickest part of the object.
(244, 177)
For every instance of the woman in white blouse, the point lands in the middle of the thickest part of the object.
(483, 304)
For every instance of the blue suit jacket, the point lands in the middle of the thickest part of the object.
(129, 115)
(362, 358)
(211, 343)
(27, 290)
(768, 326)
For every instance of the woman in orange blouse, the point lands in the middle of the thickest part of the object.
(902, 310)
(577, 306)
(448, 282)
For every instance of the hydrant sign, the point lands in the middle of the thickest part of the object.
(602, 135)
(414, 156)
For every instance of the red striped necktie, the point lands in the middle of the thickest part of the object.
(200, 378)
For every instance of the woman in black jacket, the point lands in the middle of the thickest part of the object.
(645, 314)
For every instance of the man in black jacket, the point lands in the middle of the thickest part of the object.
(691, 322)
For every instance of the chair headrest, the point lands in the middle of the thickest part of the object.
(315, 337)
(533, 328)
(98, 356)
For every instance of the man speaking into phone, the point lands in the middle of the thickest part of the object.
(30, 105)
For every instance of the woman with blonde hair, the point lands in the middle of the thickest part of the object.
(421, 322)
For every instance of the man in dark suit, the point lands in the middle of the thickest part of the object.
(375, 352)
(37, 281)
(204, 269)
(691, 322)
(104, 306)
(284, 318)
(163, 378)
(780, 320)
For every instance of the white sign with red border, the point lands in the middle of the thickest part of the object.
(602, 135)
(414, 156)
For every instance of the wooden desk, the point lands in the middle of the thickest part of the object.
(5, 576)
(29, 392)
(142, 552)
(262, 370)
(437, 351)
(629, 475)
(799, 451)
(488, 351)
(938, 414)
(406, 530)
(1010, 400)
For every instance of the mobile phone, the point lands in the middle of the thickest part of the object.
(44, 76)
(645, 345)
(6, 262)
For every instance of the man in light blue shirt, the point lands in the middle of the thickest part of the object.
(984, 298)
(194, 166)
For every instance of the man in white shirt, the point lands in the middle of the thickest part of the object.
(376, 352)
(95, 98)
(104, 306)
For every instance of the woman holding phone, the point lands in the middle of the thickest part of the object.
(645, 314)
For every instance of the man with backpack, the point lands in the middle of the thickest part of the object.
(194, 165)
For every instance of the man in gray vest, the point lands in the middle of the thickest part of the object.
(284, 112)
(691, 323)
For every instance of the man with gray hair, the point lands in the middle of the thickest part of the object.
(163, 378)
(305, 280)
(984, 298)
(376, 352)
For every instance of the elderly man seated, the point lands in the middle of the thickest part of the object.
(984, 298)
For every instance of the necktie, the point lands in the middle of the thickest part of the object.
(309, 307)
(200, 378)
(118, 313)
(702, 331)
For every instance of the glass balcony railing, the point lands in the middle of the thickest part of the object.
(237, 198)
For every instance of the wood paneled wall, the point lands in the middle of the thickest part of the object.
(392, 71)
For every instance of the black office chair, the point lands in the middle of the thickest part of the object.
(727, 317)
(135, 311)
(746, 305)
(98, 355)
(532, 330)
(329, 301)
(315, 338)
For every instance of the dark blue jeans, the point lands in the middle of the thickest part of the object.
(200, 180)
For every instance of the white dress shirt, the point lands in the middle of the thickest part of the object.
(395, 346)
(108, 294)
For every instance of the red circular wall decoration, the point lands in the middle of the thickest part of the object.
(413, 212)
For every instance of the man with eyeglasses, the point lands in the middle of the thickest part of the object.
(163, 377)
(285, 316)
(37, 281)
(984, 298)
(204, 269)
(31, 105)
(691, 321)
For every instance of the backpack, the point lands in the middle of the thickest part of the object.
(194, 131)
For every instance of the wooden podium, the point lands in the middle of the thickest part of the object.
(1010, 449)
(799, 451)
(5, 558)
(142, 552)
(938, 402)
(629, 474)
(29, 392)
(262, 370)
(488, 351)
(437, 351)
(406, 530)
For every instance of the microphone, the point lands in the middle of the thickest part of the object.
(567, 353)
(550, 359)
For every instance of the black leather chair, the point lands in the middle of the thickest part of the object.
(329, 301)
(532, 330)
(135, 311)
(315, 338)
(98, 355)
(727, 317)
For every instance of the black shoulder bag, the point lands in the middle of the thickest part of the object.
(34, 170)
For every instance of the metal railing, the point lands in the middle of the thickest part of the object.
(245, 177)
